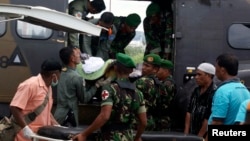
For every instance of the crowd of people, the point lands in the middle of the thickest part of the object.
(142, 103)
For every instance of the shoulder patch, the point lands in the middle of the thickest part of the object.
(105, 94)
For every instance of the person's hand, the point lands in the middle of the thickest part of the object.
(27, 132)
(85, 56)
(99, 82)
(135, 73)
(138, 139)
(79, 137)
(102, 81)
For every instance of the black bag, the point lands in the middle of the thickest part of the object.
(70, 120)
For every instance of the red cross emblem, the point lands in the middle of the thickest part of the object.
(105, 94)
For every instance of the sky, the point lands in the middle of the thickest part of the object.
(124, 8)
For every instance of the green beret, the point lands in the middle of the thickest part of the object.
(152, 59)
(125, 60)
(166, 64)
(152, 9)
(133, 20)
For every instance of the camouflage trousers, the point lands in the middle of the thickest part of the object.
(123, 135)
(158, 124)
(163, 124)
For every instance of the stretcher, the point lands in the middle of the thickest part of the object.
(37, 137)
(59, 133)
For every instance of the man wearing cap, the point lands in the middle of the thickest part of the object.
(168, 90)
(150, 87)
(121, 104)
(100, 45)
(30, 94)
(125, 27)
(199, 108)
(158, 30)
(71, 87)
(80, 9)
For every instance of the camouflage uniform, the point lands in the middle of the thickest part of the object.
(168, 90)
(122, 39)
(98, 45)
(127, 102)
(80, 9)
(159, 37)
(125, 27)
(150, 87)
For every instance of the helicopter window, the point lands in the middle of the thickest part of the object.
(239, 36)
(2, 26)
(31, 31)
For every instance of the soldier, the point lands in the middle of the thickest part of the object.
(150, 87)
(71, 87)
(125, 27)
(158, 29)
(121, 104)
(80, 9)
(168, 90)
(100, 45)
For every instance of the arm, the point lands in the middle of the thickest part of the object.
(53, 120)
(188, 113)
(187, 123)
(142, 117)
(100, 120)
(83, 95)
(203, 129)
(217, 122)
(19, 117)
(141, 125)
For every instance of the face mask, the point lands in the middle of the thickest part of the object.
(53, 84)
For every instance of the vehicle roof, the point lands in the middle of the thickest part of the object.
(48, 18)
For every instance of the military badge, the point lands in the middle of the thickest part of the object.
(150, 59)
(105, 94)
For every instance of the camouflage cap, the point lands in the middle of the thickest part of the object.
(133, 20)
(166, 64)
(152, 9)
(125, 60)
(152, 59)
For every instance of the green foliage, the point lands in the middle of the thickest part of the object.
(136, 52)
